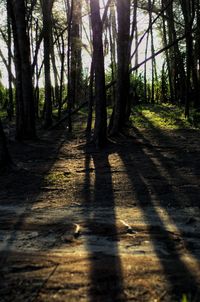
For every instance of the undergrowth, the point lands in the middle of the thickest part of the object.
(160, 116)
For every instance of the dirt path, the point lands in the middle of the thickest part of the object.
(122, 224)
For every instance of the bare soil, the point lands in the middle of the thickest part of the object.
(118, 224)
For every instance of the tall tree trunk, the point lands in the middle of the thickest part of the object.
(25, 114)
(10, 108)
(145, 69)
(177, 72)
(188, 9)
(55, 72)
(152, 98)
(113, 37)
(197, 55)
(47, 28)
(62, 58)
(171, 86)
(135, 31)
(36, 80)
(69, 85)
(100, 131)
(123, 59)
(76, 60)
(91, 98)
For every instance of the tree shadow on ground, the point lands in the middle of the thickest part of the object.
(105, 271)
(152, 177)
(101, 235)
(178, 275)
(176, 170)
(21, 189)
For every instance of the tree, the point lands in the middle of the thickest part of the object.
(100, 130)
(76, 60)
(25, 114)
(188, 9)
(47, 32)
(121, 108)
(10, 89)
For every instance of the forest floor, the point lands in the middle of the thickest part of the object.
(118, 224)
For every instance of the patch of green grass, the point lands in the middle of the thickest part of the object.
(159, 116)
(55, 178)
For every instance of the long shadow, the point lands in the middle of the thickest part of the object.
(102, 238)
(182, 158)
(23, 187)
(179, 277)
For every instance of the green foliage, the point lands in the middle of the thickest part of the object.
(164, 86)
(161, 116)
(3, 100)
(56, 178)
(184, 298)
(161, 88)
(137, 88)
(2, 95)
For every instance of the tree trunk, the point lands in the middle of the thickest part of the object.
(91, 99)
(47, 28)
(76, 61)
(25, 114)
(69, 85)
(177, 73)
(145, 69)
(113, 37)
(100, 131)
(152, 98)
(171, 86)
(188, 10)
(123, 56)
(10, 108)
(55, 72)
(62, 58)
(197, 55)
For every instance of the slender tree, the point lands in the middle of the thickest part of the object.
(10, 87)
(100, 131)
(76, 60)
(47, 32)
(121, 113)
(188, 9)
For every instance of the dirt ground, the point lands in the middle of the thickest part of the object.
(119, 224)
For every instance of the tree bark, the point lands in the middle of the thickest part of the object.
(90, 99)
(10, 108)
(100, 131)
(47, 28)
(25, 113)
(76, 60)
(123, 58)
